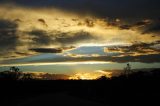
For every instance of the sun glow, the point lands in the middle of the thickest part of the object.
(91, 76)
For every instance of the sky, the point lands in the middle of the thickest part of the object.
(79, 36)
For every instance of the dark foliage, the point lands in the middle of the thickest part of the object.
(14, 73)
(136, 89)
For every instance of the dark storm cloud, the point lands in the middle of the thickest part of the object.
(6, 25)
(10, 40)
(145, 26)
(103, 8)
(153, 28)
(46, 50)
(40, 37)
(8, 36)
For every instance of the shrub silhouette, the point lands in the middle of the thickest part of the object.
(102, 78)
(12, 74)
(27, 76)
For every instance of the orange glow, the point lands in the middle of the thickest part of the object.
(91, 76)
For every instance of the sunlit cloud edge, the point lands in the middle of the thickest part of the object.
(57, 63)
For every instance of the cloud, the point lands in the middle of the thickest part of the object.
(12, 43)
(126, 27)
(23, 28)
(21, 53)
(138, 52)
(89, 23)
(40, 37)
(64, 39)
(17, 20)
(145, 26)
(150, 58)
(135, 25)
(46, 50)
(72, 38)
(8, 37)
(142, 23)
(51, 50)
(103, 8)
(43, 22)
(134, 49)
(153, 28)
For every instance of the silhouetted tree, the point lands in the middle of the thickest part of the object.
(14, 69)
(12, 74)
(127, 69)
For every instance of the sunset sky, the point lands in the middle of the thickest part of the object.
(79, 36)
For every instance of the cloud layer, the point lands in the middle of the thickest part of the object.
(103, 8)
(54, 26)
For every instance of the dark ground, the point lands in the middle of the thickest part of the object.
(138, 89)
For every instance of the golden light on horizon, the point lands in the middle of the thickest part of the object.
(91, 76)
